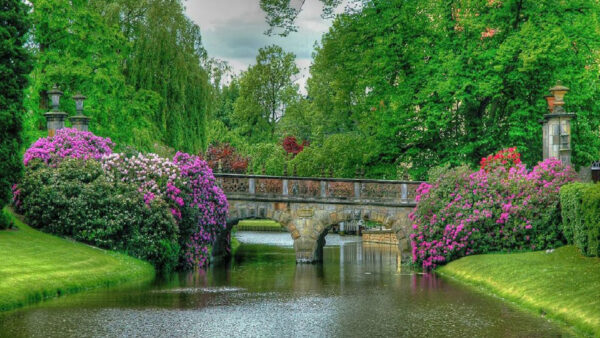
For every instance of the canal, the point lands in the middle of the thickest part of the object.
(360, 290)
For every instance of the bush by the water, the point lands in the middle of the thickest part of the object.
(580, 208)
(75, 199)
(501, 207)
(165, 211)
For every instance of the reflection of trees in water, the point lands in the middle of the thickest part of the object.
(370, 254)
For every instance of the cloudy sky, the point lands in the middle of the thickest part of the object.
(233, 30)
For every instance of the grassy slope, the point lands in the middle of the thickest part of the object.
(258, 225)
(35, 266)
(563, 284)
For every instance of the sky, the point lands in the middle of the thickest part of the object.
(233, 30)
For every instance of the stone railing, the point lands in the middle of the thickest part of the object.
(312, 189)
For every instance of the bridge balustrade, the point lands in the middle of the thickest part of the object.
(310, 189)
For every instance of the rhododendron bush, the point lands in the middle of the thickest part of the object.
(185, 185)
(493, 209)
(68, 143)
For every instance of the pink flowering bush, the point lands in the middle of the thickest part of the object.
(184, 186)
(205, 214)
(464, 213)
(68, 143)
(187, 184)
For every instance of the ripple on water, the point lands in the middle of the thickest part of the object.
(200, 290)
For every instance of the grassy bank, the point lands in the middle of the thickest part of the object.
(563, 285)
(35, 266)
(259, 225)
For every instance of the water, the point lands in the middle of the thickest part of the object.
(360, 290)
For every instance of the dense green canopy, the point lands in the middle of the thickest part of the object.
(14, 66)
(138, 62)
(430, 82)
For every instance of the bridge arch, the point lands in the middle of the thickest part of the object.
(314, 206)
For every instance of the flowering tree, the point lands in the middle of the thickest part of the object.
(291, 146)
(70, 143)
(230, 160)
(499, 209)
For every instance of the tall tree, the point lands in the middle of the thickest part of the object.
(14, 66)
(266, 89)
(459, 80)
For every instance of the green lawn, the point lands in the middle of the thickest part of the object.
(563, 285)
(35, 266)
(258, 225)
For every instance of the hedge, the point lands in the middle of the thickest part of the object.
(580, 209)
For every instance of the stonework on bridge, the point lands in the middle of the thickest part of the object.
(308, 207)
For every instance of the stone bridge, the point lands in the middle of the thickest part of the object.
(308, 207)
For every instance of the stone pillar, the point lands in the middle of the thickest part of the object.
(80, 122)
(55, 119)
(556, 129)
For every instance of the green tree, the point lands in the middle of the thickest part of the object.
(76, 48)
(14, 66)
(138, 62)
(459, 80)
(266, 89)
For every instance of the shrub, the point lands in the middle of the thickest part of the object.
(464, 213)
(68, 143)
(205, 211)
(231, 161)
(291, 145)
(580, 204)
(187, 185)
(75, 199)
(504, 158)
(172, 204)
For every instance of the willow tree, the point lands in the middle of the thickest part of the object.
(14, 66)
(166, 58)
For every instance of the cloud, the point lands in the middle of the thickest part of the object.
(233, 30)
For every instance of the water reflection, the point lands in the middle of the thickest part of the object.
(361, 289)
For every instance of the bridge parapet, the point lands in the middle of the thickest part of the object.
(313, 189)
(308, 207)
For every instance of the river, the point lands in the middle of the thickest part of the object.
(360, 290)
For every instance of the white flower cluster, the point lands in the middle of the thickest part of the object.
(150, 171)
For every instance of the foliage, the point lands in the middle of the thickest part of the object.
(14, 66)
(187, 187)
(225, 157)
(116, 54)
(266, 88)
(433, 89)
(547, 283)
(291, 145)
(36, 266)
(504, 158)
(68, 143)
(75, 199)
(465, 213)
(95, 202)
(205, 214)
(580, 209)
(282, 13)
(340, 154)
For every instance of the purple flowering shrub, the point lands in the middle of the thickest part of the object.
(464, 213)
(187, 184)
(206, 209)
(184, 186)
(68, 143)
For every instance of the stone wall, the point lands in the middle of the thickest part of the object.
(384, 236)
